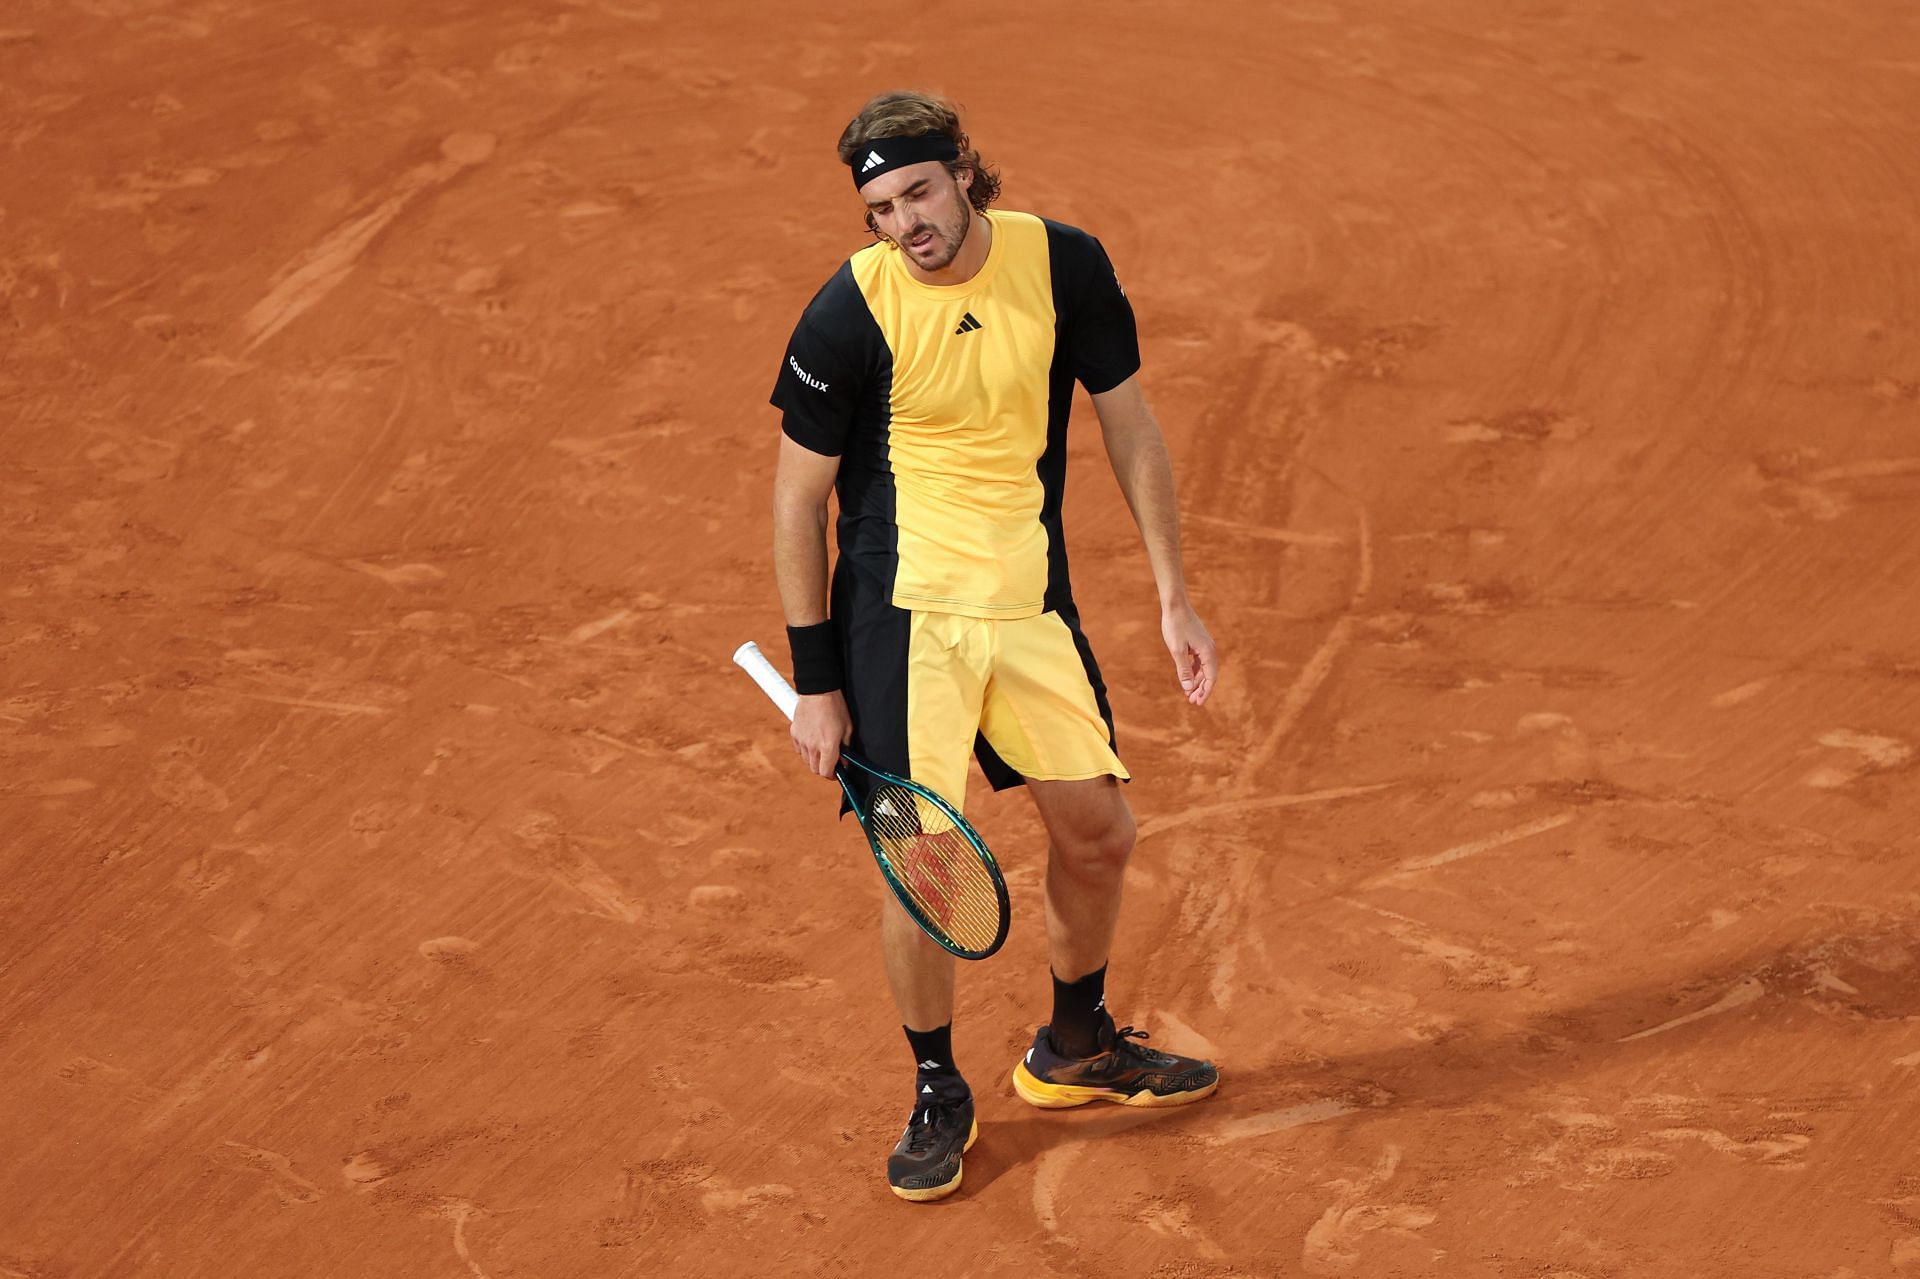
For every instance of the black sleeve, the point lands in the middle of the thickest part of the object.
(1103, 346)
(821, 378)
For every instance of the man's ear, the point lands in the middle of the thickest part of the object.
(965, 177)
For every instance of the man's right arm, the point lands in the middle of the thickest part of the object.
(802, 483)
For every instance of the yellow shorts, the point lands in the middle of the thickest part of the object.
(1024, 697)
(1020, 687)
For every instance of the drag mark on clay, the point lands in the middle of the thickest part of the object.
(1782, 1151)
(1332, 1245)
(1307, 1112)
(621, 743)
(1739, 997)
(605, 898)
(1049, 1172)
(303, 703)
(1734, 696)
(1175, 1221)
(554, 854)
(306, 281)
(1210, 811)
(288, 1184)
(1467, 966)
(414, 574)
(1587, 1147)
(1868, 470)
(1472, 848)
(1221, 987)
(1871, 755)
(56, 787)
(1187, 1035)
(723, 1199)
(1265, 534)
(1300, 693)
(461, 1212)
(363, 1170)
(590, 630)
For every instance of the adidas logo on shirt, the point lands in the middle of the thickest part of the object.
(969, 324)
(873, 158)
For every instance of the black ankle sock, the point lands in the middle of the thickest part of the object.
(935, 1075)
(1079, 1007)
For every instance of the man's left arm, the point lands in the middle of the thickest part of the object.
(1138, 453)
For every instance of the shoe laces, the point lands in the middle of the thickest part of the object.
(1148, 1056)
(924, 1128)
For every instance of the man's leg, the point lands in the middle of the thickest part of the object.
(1090, 834)
(918, 969)
(938, 706)
(1089, 839)
(926, 1163)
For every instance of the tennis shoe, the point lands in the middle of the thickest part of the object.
(1123, 1071)
(925, 1165)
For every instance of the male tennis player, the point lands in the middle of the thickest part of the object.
(929, 383)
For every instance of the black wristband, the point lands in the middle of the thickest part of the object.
(816, 658)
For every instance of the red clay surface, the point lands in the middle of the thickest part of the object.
(399, 880)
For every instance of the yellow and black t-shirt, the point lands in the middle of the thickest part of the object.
(947, 406)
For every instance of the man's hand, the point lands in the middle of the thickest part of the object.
(1195, 658)
(821, 726)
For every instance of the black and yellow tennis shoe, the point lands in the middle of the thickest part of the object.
(1121, 1071)
(925, 1165)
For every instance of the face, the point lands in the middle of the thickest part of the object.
(923, 209)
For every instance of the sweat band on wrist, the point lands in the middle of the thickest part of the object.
(883, 155)
(816, 658)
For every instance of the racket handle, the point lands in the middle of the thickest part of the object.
(751, 660)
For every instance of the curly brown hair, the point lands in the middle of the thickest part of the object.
(908, 113)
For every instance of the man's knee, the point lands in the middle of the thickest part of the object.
(1096, 849)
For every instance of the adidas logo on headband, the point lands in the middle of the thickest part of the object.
(887, 154)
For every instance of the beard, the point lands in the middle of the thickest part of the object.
(946, 242)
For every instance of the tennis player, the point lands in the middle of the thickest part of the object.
(928, 384)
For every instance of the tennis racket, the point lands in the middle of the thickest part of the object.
(932, 859)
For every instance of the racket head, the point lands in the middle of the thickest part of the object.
(934, 862)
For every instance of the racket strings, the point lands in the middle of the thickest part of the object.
(937, 865)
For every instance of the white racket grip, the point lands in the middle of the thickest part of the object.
(751, 660)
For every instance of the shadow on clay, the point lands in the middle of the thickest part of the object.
(1009, 1140)
(1843, 975)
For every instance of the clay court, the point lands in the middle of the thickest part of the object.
(400, 881)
